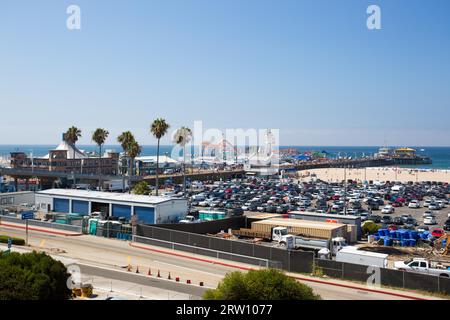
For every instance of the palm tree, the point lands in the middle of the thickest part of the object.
(158, 128)
(182, 137)
(134, 150)
(71, 136)
(125, 140)
(99, 137)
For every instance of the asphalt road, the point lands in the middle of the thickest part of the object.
(110, 257)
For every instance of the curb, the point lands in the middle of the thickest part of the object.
(41, 230)
(297, 278)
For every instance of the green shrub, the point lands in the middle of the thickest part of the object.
(32, 276)
(265, 284)
(370, 227)
(16, 241)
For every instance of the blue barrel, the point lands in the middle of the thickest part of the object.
(393, 234)
(414, 234)
(444, 243)
(412, 242)
(376, 238)
(424, 235)
(387, 242)
(404, 243)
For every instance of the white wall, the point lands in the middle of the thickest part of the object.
(16, 198)
(170, 210)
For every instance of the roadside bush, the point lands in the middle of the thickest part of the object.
(32, 276)
(266, 284)
(16, 241)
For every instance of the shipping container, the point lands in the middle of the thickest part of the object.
(311, 229)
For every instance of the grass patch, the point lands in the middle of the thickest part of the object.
(15, 241)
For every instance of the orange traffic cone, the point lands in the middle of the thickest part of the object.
(159, 274)
(129, 268)
(169, 277)
(149, 272)
(137, 269)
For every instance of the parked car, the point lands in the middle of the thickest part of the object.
(386, 220)
(447, 225)
(414, 204)
(388, 209)
(429, 220)
(375, 218)
(434, 206)
(437, 233)
(423, 228)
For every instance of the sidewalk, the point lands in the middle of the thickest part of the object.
(58, 232)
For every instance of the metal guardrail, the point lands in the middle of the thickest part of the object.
(204, 251)
(44, 224)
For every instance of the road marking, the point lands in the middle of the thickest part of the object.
(41, 245)
(128, 260)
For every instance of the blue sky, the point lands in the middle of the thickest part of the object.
(310, 68)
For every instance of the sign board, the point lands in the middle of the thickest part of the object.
(331, 221)
(27, 215)
(290, 242)
(9, 243)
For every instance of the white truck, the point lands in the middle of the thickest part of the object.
(423, 266)
(115, 185)
(351, 254)
(280, 234)
(189, 219)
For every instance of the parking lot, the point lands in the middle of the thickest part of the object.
(252, 195)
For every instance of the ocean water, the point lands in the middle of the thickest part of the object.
(439, 155)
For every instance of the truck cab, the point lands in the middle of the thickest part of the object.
(423, 266)
(282, 236)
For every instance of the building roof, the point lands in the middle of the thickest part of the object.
(106, 196)
(71, 150)
(300, 223)
(325, 215)
(152, 159)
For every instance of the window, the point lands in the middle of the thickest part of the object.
(7, 200)
(423, 264)
(414, 264)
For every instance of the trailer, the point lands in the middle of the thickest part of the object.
(366, 258)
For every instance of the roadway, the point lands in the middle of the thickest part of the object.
(109, 258)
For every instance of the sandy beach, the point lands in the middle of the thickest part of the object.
(378, 174)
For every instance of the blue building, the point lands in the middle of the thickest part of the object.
(147, 209)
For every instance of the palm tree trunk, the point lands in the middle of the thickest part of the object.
(131, 174)
(184, 170)
(157, 167)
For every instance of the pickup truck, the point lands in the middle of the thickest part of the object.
(423, 266)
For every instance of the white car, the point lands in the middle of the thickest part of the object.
(427, 202)
(441, 203)
(428, 213)
(414, 204)
(388, 209)
(429, 220)
(434, 206)
(205, 203)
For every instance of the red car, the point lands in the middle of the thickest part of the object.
(335, 197)
(437, 233)
(392, 227)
